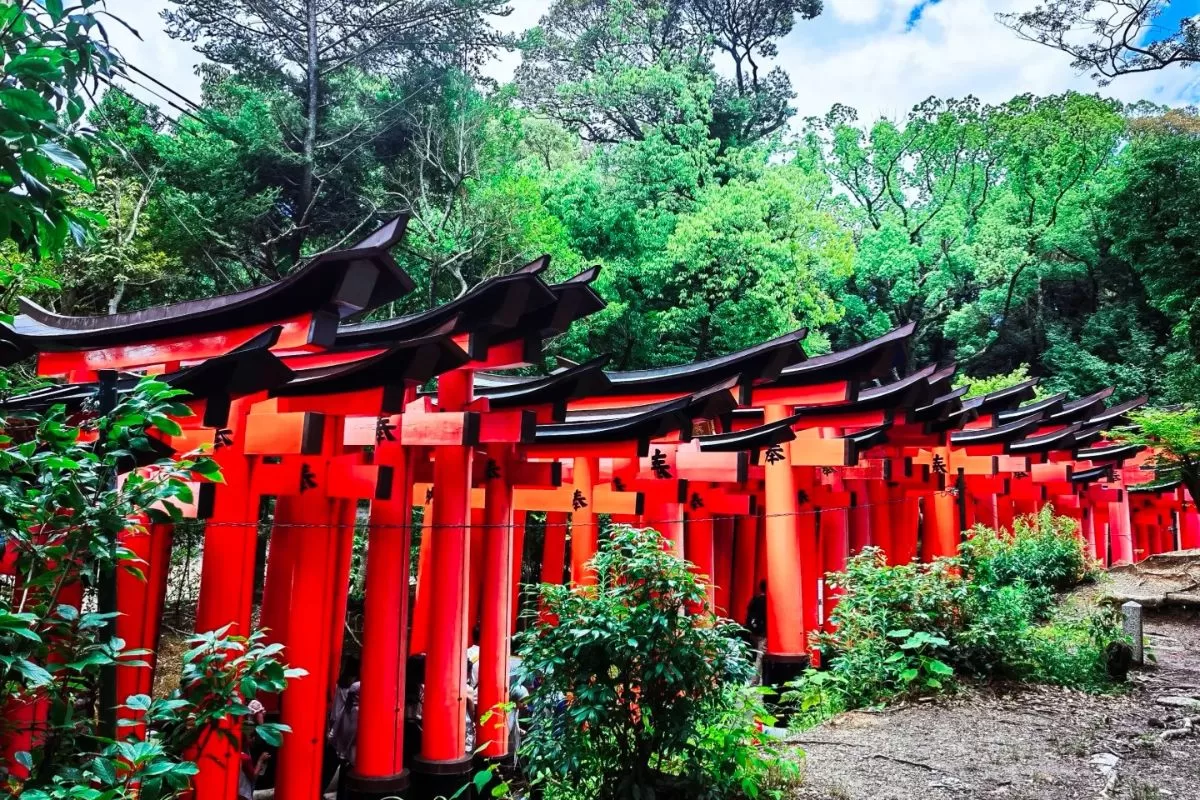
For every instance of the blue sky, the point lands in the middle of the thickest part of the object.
(879, 56)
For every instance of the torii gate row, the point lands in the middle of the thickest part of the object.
(759, 463)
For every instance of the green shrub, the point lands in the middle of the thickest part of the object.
(893, 629)
(639, 690)
(991, 612)
(1043, 551)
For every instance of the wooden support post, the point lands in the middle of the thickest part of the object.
(785, 606)
(346, 511)
(942, 533)
(860, 517)
(1189, 527)
(443, 743)
(424, 600)
(879, 496)
(277, 588)
(723, 556)
(806, 523)
(227, 590)
(834, 537)
(495, 623)
(903, 514)
(1005, 513)
(1121, 530)
(700, 551)
(1087, 531)
(554, 547)
(584, 527)
(745, 566)
(668, 519)
(317, 568)
(140, 603)
(518, 549)
(379, 768)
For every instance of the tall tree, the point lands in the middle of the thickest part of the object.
(304, 45)
(613, 69)
(1109, 38)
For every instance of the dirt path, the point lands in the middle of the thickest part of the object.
(1025, 743)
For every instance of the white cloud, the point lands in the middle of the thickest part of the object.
(957, 48)
(855, 12)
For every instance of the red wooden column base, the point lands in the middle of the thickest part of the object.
(379, 769)
(723, 556)
(786, 653)
(495, 632)
(942, 531)
(745, 566)
(140, 603)
(701, 552)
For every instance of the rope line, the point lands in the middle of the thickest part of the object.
(548, 524)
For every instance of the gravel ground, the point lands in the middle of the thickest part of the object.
(1026, 743)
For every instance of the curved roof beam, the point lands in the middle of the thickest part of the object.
(333, 285)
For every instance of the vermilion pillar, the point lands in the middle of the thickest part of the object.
(423, 602)
(476, 572)
(227, 589)
(903, 513)
(723, 546)
(443, 743)
(141, 605)
(554, 547)
(347, 518)
(700, 551)
(305, 703)
(1189, 530)
(942, 531)
(1087, 530)
(1005, 512)
(859, 517)
(880, 499)
(379, 765)
(495, 630)
(518, 548)
(835, 549)
(810, 562)
(277, 589)
(1121, 530)
(669, 521)
(745, 562)
(785, 608)
(584, 528)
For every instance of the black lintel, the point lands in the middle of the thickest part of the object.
(497, 303)
(867, 361)
(1045, 407)
(998, 435)
(581, 380)
(1043, 443)
(407, 363)
(332, 285)
(761, 363)
(1083, 408)
(1005, 399)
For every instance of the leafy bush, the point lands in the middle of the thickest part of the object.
(1043, 551)
(639, 690)
(911, 629)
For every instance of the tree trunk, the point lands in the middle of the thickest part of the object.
(313, 70)
(115, 300)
